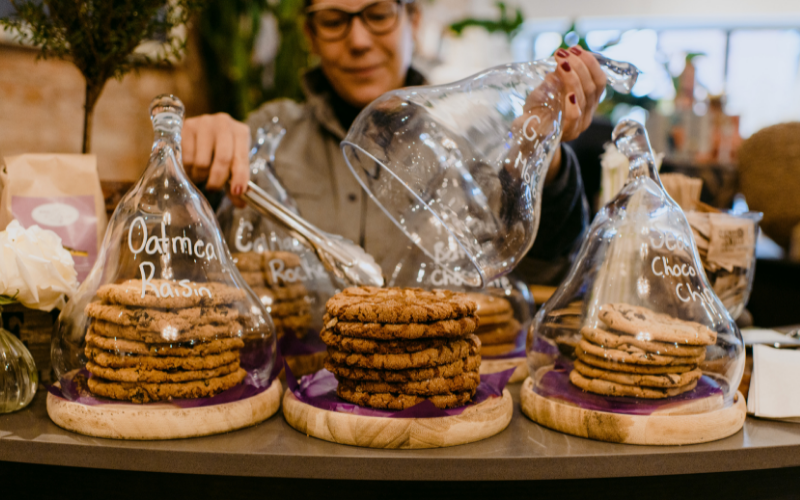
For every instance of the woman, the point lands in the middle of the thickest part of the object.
(365, 49)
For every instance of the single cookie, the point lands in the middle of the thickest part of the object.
(289, 259)
(146, 393)
(435, 356)
(296, 324)
(159, 293)
(496, 319)
(158, 376)
(388, 401)
(111, 360)
(497, 349)
(623, 367)
(467, 381)
(472, 363)
(637, 358)
(645, 324)
(369, 346)
(499, 334)
(248, 261)
(615, 341)
(488, 304)
(665, 380)
(156, 320)
(305, 364)
(449, 328)
(289, 292)
(254, 279)
(177, 349)
(288, 308)
(283, 276)
(202, 333)
(398, 305)
(607, 388)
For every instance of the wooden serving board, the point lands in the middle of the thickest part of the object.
(498, 365)
(475, 423)
(162, 420)
(673, 428)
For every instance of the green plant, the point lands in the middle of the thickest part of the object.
(228, 32)
(505, 24)
(100, 37)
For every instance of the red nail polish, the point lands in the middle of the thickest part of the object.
(576, 51)
(562, 53)
(572, 98)
(237, 190)
(565, 66)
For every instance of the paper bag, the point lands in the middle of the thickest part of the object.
(59, 192)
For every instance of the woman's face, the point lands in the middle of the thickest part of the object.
(362, 66)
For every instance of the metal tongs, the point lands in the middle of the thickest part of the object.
(340, 256)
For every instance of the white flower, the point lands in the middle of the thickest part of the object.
(35, 267)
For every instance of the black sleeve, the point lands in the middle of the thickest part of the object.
(564, 212)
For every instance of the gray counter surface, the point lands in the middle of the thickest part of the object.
(273, 449)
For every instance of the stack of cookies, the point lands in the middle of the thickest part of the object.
(640, 353)
(155, 348)
(498, 330)
(276, 277)
(392, 348)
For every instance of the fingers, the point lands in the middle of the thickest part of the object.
(215, 149)
(240, 171)
(590, 90)
(188, 142)
(599, 78)
(223, 158)
(574, 97)
(203, 148)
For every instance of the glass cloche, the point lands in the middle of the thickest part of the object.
(286, 274)
(465, 162)
(164, 313)
(505, 306)
(636, 328)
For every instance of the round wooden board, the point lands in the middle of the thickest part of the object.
(475, 423)
(499, 365)
(661, 429)
(162, 420)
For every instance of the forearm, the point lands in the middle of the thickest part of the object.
(555, 167)
(564, 210)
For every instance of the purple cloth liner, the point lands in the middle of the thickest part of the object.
(290, 345)
(319, 390)
(544, 347)
(555, 384)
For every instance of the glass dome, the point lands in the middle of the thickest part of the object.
(164, 313)
(286, 274)
(505, 306)
(636, 327)
(465, 162)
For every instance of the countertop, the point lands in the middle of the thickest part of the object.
(523, 451)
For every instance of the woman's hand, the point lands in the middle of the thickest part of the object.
(215, 149)
(584, 83)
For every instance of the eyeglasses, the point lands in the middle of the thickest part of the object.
(333, 24)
